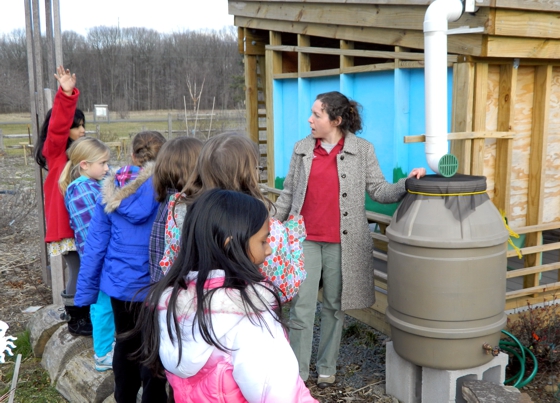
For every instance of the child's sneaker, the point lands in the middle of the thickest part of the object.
(104, 363)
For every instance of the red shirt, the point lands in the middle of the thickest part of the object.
(54, 151)
(321, 207)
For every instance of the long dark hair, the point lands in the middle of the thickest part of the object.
(215, 235)
(79, 119)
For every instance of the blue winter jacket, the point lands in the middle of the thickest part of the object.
(115, 258)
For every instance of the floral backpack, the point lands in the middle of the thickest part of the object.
(284, 267)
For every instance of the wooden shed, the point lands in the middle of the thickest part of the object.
(504, 103)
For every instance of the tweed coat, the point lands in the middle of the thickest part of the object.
(358, 172)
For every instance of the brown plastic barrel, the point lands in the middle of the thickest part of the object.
(446, 273)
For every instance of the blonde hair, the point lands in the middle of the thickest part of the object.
(227, 161)
(87, 149)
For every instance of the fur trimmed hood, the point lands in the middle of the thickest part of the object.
(112, 194)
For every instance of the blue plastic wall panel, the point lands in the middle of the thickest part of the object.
(393, 107)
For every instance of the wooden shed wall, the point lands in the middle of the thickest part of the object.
(521, 150)
(505, 109)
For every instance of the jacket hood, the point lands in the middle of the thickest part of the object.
(227, 310)
(116, 189)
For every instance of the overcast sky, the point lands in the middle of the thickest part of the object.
(164, 16)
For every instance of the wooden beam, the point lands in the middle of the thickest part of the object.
(319, 73)
(532, 270)
(532, 24)
(533, 290)
(254, 42)
(528, 251)
(409, 17)
(479, 117)
(539, 227)
(504, 147)
(537, 164)
(508, 60)
(273, 65)
(462, 136)
(468, 44)
(463, 96)
(378, 54)
(509, 46)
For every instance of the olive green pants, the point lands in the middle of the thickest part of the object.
(321, 260)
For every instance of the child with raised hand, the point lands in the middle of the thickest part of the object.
(214, 316)
(230, 161)
(115, 261)
(80, 183)
(174, 164)
(63, 124)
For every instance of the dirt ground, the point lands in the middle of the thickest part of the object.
(361, 372)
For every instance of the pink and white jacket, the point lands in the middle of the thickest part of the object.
(260, 366)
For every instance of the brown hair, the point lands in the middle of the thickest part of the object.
(84, 149)
(174, 164)
(146, 145)
(336, 104)
(227, 161)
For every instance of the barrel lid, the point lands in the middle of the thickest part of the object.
(439, 185)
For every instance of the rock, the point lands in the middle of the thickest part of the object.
(42, 326)
(110, 399)
(79, 382)
(488, 392)
(60, 349)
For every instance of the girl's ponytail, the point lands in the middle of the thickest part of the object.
(65, 177)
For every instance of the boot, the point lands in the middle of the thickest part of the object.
(79, 322)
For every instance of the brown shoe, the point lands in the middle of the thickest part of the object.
(325, 382)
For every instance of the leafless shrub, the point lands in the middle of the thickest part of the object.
(538, 328)
(17, 205)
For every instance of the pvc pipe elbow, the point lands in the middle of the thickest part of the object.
(440, 12)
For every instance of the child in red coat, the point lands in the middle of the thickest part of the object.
(63, 124)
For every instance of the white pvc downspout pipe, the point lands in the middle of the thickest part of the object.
(439, 13)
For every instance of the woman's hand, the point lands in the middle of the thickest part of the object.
(66, 79)
(417, 172)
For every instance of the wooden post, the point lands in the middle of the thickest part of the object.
(504, 147)
(346, 61)
(251, 97)
(273, 66)
(479, 117)
(169, 126)
(463, 95)
(304, 61)
(51, 64)
(37, 115)
(537, 164)
(1, 141)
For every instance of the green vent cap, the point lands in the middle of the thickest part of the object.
(448, 165)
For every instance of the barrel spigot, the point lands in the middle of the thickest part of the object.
(488, 349)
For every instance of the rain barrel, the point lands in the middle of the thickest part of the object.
(446, 273)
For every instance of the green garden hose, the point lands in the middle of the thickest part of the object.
(509, 346)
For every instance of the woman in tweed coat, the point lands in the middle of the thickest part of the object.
(329, 173)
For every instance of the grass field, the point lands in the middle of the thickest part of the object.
(117, 128)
